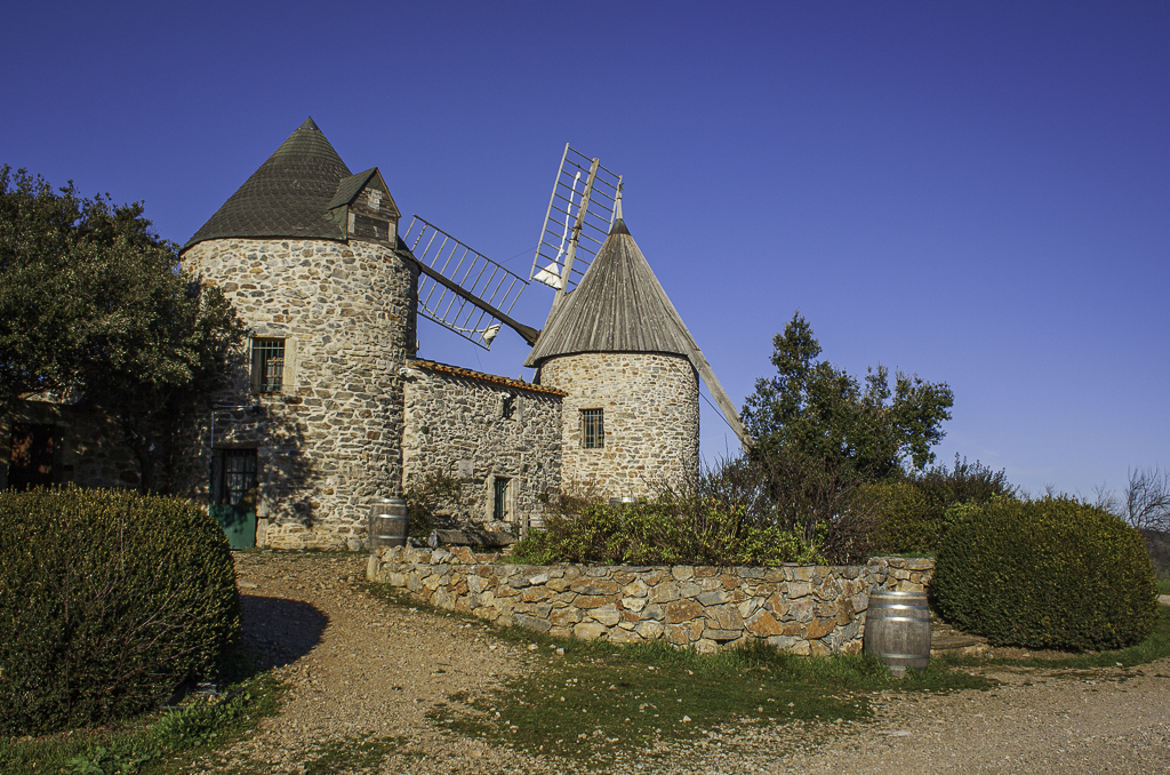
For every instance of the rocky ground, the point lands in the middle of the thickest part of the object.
(364, 673)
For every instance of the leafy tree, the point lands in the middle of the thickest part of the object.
(871, 431)
(95, 306)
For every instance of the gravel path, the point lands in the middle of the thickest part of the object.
(361, 671)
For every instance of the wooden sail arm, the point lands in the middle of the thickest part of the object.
(528, 333)
(699, 361)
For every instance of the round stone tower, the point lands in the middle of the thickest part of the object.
(618, 349)
(309, 432)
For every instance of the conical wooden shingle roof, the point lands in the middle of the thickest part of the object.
(619, 306)
(289, 196)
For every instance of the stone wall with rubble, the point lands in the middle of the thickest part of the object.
(330, 441)
(476, 428)
(805, 609)
(651, 419)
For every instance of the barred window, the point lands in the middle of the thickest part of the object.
(500, 498)
(507, 406)
(267, 365)
(592, 428)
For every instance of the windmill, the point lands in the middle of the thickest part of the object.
(468, 293)
(585, 202)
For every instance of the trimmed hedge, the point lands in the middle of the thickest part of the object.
(1052, 573)
(109, 601)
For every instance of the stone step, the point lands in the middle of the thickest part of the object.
(945, 639)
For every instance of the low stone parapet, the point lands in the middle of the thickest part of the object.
(805, 609)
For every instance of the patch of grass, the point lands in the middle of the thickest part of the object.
(598, 701)
(161, 743)
(1156, 646)
(1163, 586)
(351, 755)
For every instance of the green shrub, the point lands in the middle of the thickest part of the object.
(901, 519)
(430, 502)
(1052, 573)
(669, 531)
(108, 602)
(912, 515)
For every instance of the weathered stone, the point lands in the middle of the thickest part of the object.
(683, 611)
(531, 622)
(649, 630)
(619, 635)
(563, 617)
(819, 628)
(682, 572)
(685, 633)
(636, 588)
(591, 601)
(764, 624)
(664, 592)
(589, 630)
(594, 587)
(725, 617)
(722, 636)
(606, 614)
(533, 594)
(633, 604)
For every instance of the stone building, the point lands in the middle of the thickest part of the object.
(616, 346)
(328, 408)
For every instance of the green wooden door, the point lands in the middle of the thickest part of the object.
(233, 488)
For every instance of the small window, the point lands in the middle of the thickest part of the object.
(500, 498)
(507, 406)
(592, 428)
(267, 365)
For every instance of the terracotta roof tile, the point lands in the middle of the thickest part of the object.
(480, 376)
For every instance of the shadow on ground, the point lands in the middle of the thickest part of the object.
(278, 632)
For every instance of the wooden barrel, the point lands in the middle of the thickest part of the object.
(387, 523)
(897, 629)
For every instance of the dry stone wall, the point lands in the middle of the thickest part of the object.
(805, 609)
(330, 441)
(476, 428)
(651, 414)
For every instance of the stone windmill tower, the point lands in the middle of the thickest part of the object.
(310, 431)
(620, 352)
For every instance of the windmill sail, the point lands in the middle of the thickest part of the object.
(580, 212)
(461, 288)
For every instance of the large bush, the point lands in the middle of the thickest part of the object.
(108, 602)
(912, 515)
(669, 531)
(1052, 573)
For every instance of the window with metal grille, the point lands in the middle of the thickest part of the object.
(592, 428)
(507, 406)
(500, 498)
(267, 365)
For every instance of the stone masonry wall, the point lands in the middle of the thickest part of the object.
(455, 426)
(805, 609)
(330, 441)
(651, 411)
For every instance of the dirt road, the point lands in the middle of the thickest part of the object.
(363, 673)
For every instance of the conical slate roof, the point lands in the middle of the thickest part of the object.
(289, 196)
(619, 306)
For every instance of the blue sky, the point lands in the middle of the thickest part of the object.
(977, 193)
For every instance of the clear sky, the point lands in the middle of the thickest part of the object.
(977, 193)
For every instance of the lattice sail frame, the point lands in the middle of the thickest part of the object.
(464, 290)
(580, 213)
